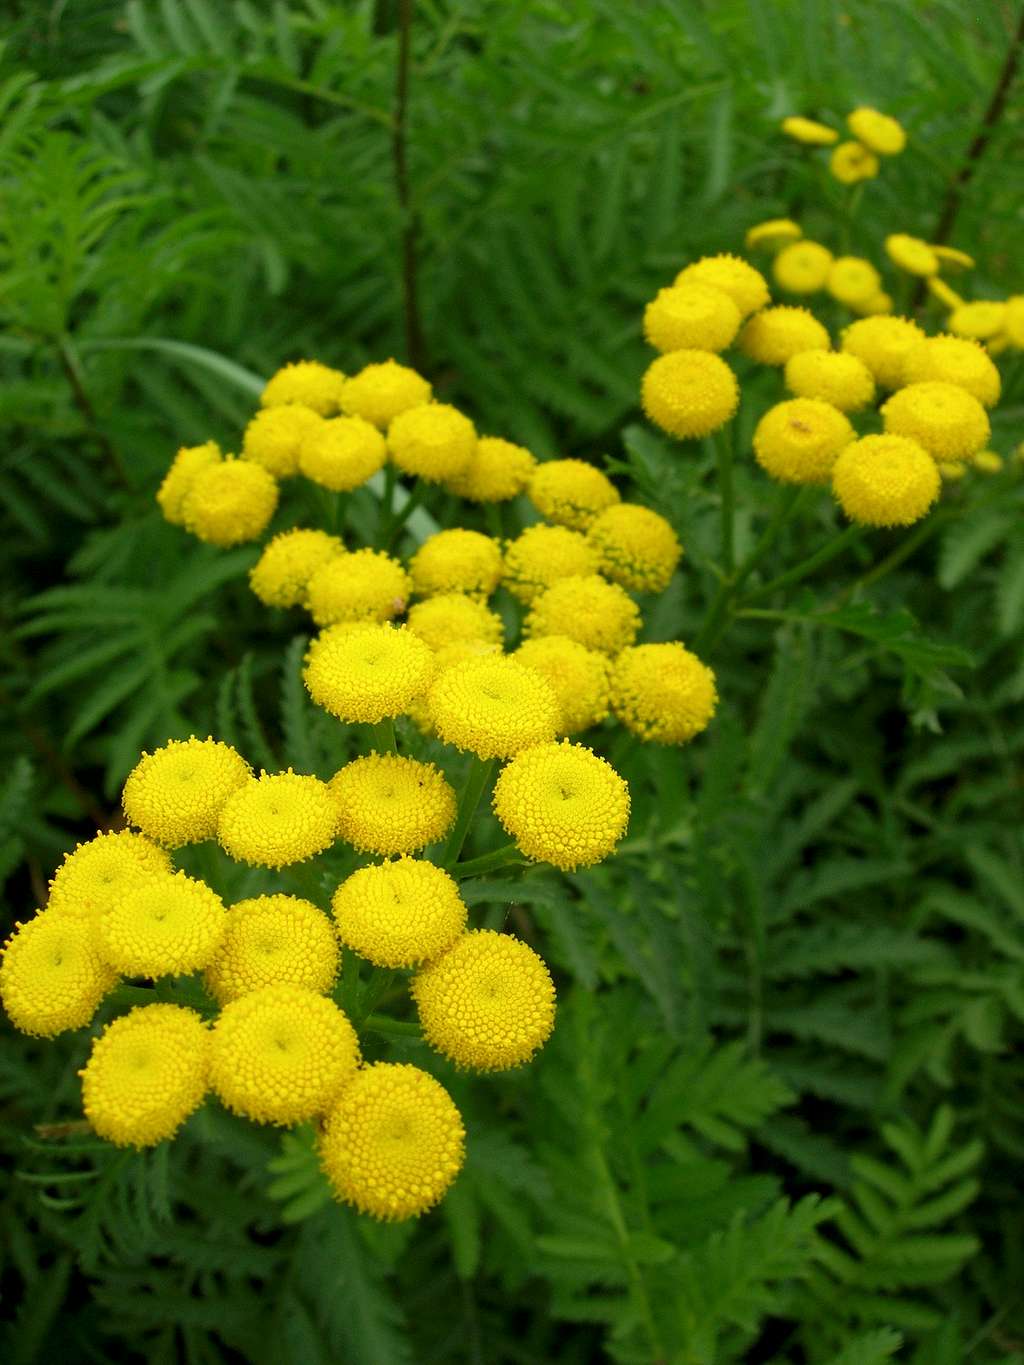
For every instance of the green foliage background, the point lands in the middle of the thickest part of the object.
(781, 1118)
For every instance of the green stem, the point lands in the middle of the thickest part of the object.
(721, 445)
(384, 736)
(398, 1028)
(806, 567)
(903, 551)
(404, 513)
(506, 856)
(387, 503)
(492, 515)
(477, 781)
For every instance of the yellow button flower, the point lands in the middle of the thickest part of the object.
(885, 481)
(307, 382)
(691, 316)
(562, 804)
(853, 281)
(746, 286)
(663, 693)
(498, 471)
(275, 435)
(146, 1074)
(802, 268)
(366, 585)
(595, 613)
(798, 441)
(809, 131)
(635, 547)
(98, 873)
(880, 132)
(452, 617)
(281, 1054)
(541, 555)
(911, 254)
(833, 376)
(167, 926)
(852, 162)
(570, 492)
(772, 234)
(953, 360)
(381, 392)
(368, 672)
(399, 914)
(947, 420)
(278, 819)
(230, 503)
(882, 343)
(270, 939)
(434, 441)
(393, 1143)
(578, 677)
(281, 575)
(52, 977)
(879, 303)
(342, 453)
(492, 706)
(391, 804)
(456, 561)
(979, 321)
(689, 393)
(952, 473)
(176, 794)
(180, 477)
(988, 462)
(772, 336)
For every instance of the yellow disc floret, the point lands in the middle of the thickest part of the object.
(175, 795)
(342, 453)
(278, 819)
(451, 617)
(663, 693)
(275, 435)
(488, 1003)
(798, 441)
(368, 672)
(944, 418)
(597, 614)
(399, 914)
(772, 234)
(879, 132)
(543, 554)
(393, 1143)
(802, 268)
(497, 472)
(270, 939)
(562, 804)
(230, 503)
(809, 131)
(148, 1071)
(689, 393)
(180, 477)
(853, 281)
(697, 317)
(578, 678)
(381, 392)
(988, 462)
(571, 492)
(746, 286)
(635, 547)
(434, 441)
(492, 706)
(882, 343)
(981, 320)
(99, 872)
(366, 585)
(281, 575)
(456, 561)
(885, 481)
(307, 382)
(911, 254)
(166, 926)
(953, 360)
(391, 804)
(852, 162)
(771, 337)
(52, 976)
(833, 376)
(281, 1054)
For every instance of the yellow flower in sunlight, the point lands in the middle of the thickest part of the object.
(772, 234)
(809, 131)
(342, 453)
(853, 281)
(493, 706)
(880, 132)
(399, 913)
(885, 481)
(366, 672)
(278, 819)
(911, 254)
(802, 268)
(269, 939)
(578, 678)
(635, 547)
(391, 804)
(833, 376)
(882, 343)
(230, 503)
(595, 613)
(52, 975)
(570, 492)
(954, 360)
(541, 555)
(944, 418)
(979, 321)
(498, 471)
(366, 585)
(281, 575)
(798, 441)
(451, 617)
(275, 435)
(456, 560)
(852, 162)
(175, 795)
(772, 336)
(166, 926)
(434, 441)
(663, 693)
(689, 393)
(179, 479)
(381, 392)
(746, 286)
(694, 316)
(306, 382)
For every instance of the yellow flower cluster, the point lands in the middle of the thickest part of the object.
(857, 158)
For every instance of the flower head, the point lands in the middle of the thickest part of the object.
(342, 453)
(166, 926)
(636, 547)
(278, 819)
(798, 441)
(492, 706)
(944, 418)
(497, 472)
(773, 335)
(488, 1003)
(391, 804)
(691, 316)
(833, 376)
(275, 435)
(570, 492)
(451, 617)
(809, 131)
(746, 286)
(52, 977)
(885, 481)
(281, 1054)
(230, 503)
(307, 382)
(980, 321)
(562, 804)
(367, 672)
(988, 461)
(456, 561)
(366, 585)
(878, 304)
(147, 1072)
(400, 913)
(1013, 326)
(281, 575)
(180, 477)
(175, 795)
(541, 555)
(689, 393)
(853, 281)
(879, 132)
(851, 162)
(882, 343)
(663, 693)
(578, 677)
(953, 360)
(772, 234)
(99, 872)
(595, 613)
(270, 939)
(434, 441)
(802, 268)
(911, 254)
(381, 392)
(393, 1143)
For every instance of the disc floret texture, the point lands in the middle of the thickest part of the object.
(953, 360)
(168, 925)
(368, 672)
(498, 471)
(281, 1054)
(597, 614)
(275, 436)
(835, 377)
(746, 286)
(99, 871)
(883, 344)
(879, 132)
(487, 1004)
(456, 561)
(635, 547)
(148, 1071)
(911, 254)
(52, 976)
(852, 162)
(390, 804)
(281, 575)
(452, 616)
(663, 693)
(541, 555)
(178, 480)
(944, 418)
(393, 1143)
(230, 503)
(562, 804)
(493, 707)
(691, 316)
(578, 677)
(278, 819)
(342, 453)
(434, 441)
(175, 795)
(797, 441)
(271, 939)
(886, 480)
(571, 492)
(689, 393)
(400, 913)
(802, 268)
(773, 335)
(308, 382)
(380, 392)
(366, 585)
